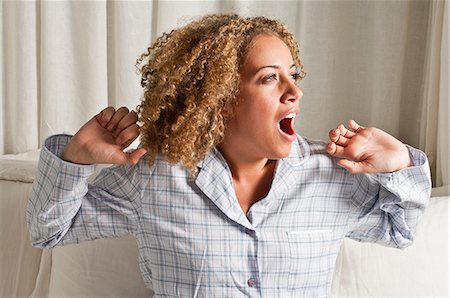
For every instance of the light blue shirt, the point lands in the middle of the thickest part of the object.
(194, 239)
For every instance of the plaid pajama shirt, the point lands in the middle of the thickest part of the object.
(194, 239)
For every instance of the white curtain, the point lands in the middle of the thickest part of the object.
(65, 61)
(382, 63)
(435, 128)
(443, 143)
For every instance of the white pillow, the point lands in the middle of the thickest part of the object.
(421, 270)
(100, 268)
(19, 260)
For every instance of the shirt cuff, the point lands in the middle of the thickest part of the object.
(419, 169)
(53, 149)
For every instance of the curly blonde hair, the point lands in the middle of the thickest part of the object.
(189, 75)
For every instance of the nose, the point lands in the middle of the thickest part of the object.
(292, 92)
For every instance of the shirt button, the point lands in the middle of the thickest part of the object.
(251, 282)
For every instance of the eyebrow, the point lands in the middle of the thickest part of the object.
(271, 66)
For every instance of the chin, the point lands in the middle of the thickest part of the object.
(282, 152)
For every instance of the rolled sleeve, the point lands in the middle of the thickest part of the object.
(388, 206)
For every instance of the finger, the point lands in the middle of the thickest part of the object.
(345, 132)
(331, 148)
(128, 120)
(128, 135)
(335, 150)
(342, 141)
(135, 156)
(334, 135)
(339, 138)
(354, 126)
(105, 116)
(118, 115)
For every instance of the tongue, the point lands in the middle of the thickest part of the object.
(286, 126)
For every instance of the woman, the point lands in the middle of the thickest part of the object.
(228, 200)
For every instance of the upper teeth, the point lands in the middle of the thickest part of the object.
(291, 115)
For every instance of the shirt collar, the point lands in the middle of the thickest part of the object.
(215, 181)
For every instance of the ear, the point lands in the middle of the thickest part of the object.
(227, 111)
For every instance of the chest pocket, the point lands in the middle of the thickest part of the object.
(310, 258)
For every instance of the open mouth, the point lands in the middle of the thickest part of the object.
(287, 124)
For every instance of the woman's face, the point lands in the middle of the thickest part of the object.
(263, 121)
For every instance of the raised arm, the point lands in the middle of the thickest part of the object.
(63, 207)
(391, 184)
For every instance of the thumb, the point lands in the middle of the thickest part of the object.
(135, 156)
(353, 167)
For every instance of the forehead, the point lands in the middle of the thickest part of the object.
(267, 50)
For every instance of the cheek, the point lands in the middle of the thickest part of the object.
(255, 115)
(256, 106)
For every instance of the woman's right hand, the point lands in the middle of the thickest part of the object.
(103, 139)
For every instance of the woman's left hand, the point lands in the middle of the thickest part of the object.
(367, 150)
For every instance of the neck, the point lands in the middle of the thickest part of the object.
(245, 167)
(252, 177)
